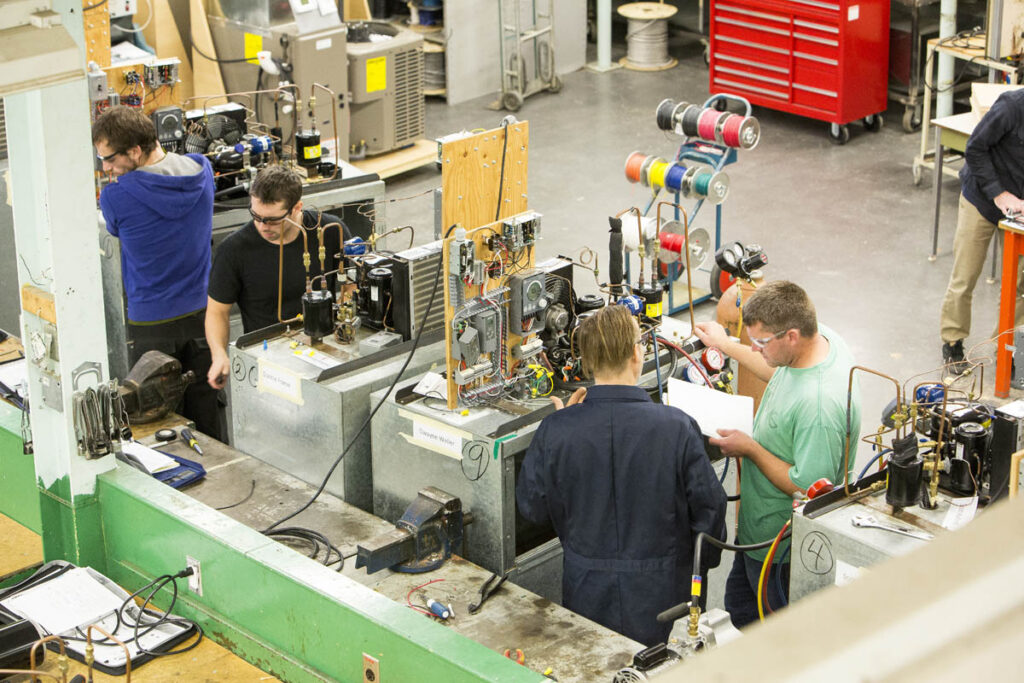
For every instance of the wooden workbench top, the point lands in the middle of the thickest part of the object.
(20, 548)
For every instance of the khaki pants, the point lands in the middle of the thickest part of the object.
(970, 247)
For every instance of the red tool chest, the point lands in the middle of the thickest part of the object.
(824, 59)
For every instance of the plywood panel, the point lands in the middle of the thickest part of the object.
(471, 171)
(39, 303)
(471, 181)
(96, 21)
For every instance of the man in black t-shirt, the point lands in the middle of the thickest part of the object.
(246, 265)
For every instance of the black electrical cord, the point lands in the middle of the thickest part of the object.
(673, 613)
(202, 54)
(501, 178)
(252, 489)
(101, 3)
(317, 541)
(366, 422)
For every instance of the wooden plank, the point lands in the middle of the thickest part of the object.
(96, 22)
(10, 349)
(206, 76)
(38, 302)
(470, 174)
(208, 662)
(357, 9)
(20, 548)
(420, 153)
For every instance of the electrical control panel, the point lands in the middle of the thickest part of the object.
(123, 8)
(161, 72)
(170, 130)
(522, 230)
(528, 299)
(98, 91)
(496, 302)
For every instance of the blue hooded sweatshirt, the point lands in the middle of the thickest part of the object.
(165, 224)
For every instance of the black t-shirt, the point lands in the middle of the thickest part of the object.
(245, 270)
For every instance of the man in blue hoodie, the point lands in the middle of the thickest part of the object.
(160, 207)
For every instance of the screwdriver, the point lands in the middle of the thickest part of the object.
(190, 438)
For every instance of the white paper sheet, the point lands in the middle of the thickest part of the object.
(713, 410)
(14, 374)
(61, 604)
(153, 461)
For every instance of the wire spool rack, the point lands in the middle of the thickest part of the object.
(647, 36)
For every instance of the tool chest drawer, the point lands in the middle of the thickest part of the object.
(826, 60)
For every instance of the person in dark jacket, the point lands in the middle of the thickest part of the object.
(160, 207)
(626, 484)
(991, 187)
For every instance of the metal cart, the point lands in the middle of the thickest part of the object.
(517, 81)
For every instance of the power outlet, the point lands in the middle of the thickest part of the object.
(195, 579)
(371, 669)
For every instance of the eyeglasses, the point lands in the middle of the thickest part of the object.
(268, 221)
(763, 342)
(106, 159)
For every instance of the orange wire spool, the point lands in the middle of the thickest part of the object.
(645, 170)
(634, 163)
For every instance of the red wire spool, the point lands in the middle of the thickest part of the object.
(634, 162)
(740, 131)
(707, 124)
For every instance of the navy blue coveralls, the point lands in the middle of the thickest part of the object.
(628, 486)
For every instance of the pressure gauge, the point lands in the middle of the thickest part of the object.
(713, 359)
(534, 290)
(693, 375)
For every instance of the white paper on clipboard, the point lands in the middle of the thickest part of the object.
(713, 410)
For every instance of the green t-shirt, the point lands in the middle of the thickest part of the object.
(802, 421)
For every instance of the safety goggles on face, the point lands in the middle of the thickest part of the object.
(763, 342)
(268, 221)
(107, 159)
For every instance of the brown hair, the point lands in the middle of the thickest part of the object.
(122, 128)
(607, 339)
(277, 184)
(781, 306)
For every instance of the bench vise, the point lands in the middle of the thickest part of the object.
(422, 540)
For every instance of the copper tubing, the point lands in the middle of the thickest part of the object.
(849, 429)
(334, 121)
(640, 236)
(127, 654)
(686, 248)
(297, 95)
(280, 268)
(42, 641)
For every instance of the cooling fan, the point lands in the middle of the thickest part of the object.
(211, 133)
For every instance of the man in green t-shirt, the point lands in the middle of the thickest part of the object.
(800, 430)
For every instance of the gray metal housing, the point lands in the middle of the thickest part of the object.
(423, 444)
(303, 431)
(828, 550)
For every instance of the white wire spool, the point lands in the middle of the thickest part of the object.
(647, 36)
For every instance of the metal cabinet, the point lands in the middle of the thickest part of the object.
(824, 59)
